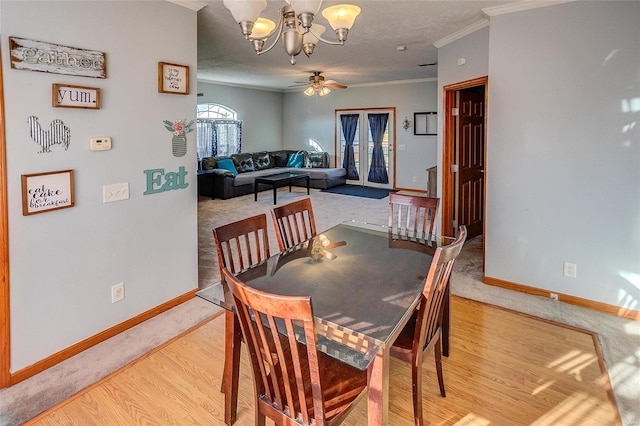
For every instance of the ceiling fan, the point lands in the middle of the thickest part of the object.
(318, 84)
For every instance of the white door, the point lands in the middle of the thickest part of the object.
(363, 145)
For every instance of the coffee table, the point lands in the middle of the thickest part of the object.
(278, 181)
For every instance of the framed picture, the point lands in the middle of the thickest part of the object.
(42, 192)
(68, 96)
(425, 123)
(173, 78)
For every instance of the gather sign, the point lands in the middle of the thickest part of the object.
(33, 55)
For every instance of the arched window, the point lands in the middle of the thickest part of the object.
(216, 111)
(219, 132)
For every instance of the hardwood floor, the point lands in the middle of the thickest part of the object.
(505, 368)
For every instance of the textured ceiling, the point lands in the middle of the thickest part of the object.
(369, 55)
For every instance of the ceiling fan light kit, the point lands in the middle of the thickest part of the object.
(318, 85)
(295, 25)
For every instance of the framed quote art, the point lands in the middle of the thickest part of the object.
(42, 192)
(173, 78)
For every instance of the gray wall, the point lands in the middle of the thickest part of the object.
(63, 263)
(259, 110)
(312, 119)
(563, 180)
(563, 152)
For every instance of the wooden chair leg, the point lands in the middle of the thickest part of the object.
(416, 378)
(438, 356)
(231, 367)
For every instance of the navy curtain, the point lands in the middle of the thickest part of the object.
(378, 168)
(349, 126)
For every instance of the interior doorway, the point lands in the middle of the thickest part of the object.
(371, 132)
(464, 155)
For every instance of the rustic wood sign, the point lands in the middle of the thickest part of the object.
(32, 55)
(42, 192)
(67, 96)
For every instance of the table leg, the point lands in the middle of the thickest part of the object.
(255, 191)
(445, 322)
(307, 185)
(275, 194)
(231, 371)
(378, 390)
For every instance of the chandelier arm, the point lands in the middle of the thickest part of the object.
(279, 27)
(325, 41)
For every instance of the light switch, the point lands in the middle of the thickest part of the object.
(101, 143)
(402, 147)
(115, 192)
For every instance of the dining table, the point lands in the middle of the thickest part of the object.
(365, 283)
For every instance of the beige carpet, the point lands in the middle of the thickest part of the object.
(620, 338)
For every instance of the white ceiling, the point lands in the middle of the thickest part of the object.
(369, 56)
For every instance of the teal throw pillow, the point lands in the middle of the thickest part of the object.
(227, 164)
(295, 160)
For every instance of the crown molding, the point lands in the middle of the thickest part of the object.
(296, 89)
(189, 4)
(462, 33)
(521, 6)
(496, 11)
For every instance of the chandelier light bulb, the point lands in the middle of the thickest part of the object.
(262, 28)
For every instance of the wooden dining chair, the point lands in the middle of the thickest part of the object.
(412, 216)
(239, 245)
(423, 331)
(294, 384)
(294, 223)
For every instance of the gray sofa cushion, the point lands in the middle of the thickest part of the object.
(324, 173)
(279, 158)
(249, 177)
(244, 162)
(261, 160)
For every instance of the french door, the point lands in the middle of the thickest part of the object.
(373, 165)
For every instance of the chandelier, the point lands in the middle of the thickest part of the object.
(295, 26)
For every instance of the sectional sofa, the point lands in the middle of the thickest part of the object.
(227, 177)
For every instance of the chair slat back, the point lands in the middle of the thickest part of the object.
(286, 374)
(294, 223)
(242, 244)
(431, 303)
(412, 216)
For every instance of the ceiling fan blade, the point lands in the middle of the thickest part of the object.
(335, 85)
(428, 65)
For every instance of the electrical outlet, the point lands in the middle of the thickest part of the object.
(115, 192)
(570, 270)
(415, 178)
(117, 292)
(553, 296)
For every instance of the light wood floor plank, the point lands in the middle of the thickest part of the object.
(505, 368)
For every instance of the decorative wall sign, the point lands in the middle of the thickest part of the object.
(159, 181)
(65, 95)
(58, 134)
(32, 55)
(47, 191)
(173, 78)
(180, 128)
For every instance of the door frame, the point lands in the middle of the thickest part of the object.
(5, 348)
(448, 154)
(392, 133)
